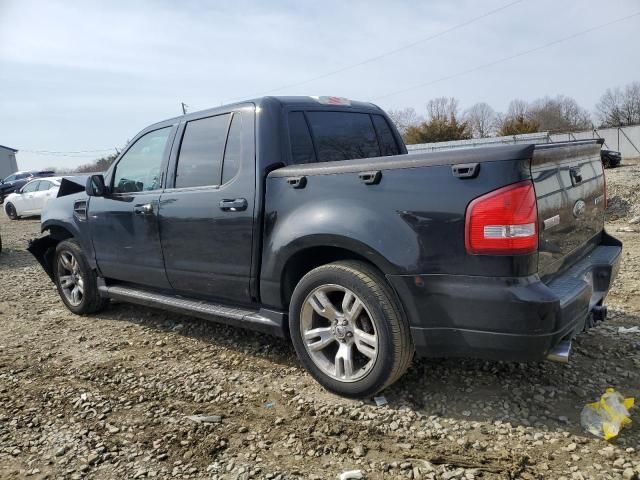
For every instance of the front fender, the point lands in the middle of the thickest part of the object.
(59, 220)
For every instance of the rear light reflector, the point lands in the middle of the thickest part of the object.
(503, 222)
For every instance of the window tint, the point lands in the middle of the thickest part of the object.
(388, 145)
(30, 187)
(44, 185)
(140, 168)
(200, 160)
(301, 144)
(233, 150)
(342, 136)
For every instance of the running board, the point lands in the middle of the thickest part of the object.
(263, 320)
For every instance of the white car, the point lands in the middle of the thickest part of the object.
(31, 199)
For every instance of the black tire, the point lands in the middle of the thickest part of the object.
(11, 211)
(90, 301)
(394, 349)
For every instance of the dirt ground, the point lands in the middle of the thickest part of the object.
(107, 396)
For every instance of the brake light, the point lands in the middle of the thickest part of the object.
(503, 222)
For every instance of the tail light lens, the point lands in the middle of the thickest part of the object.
(503, 222)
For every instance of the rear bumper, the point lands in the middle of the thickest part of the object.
(515, 319)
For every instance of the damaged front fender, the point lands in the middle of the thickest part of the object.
(44, 248)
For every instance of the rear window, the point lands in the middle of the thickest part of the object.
(335, 136)
(388, 145)
(301, 144)
(343, 136)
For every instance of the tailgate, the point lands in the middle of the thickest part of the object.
(569, 183)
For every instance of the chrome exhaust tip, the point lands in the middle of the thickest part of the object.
(560, 353)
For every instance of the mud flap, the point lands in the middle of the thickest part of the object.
(43, 249)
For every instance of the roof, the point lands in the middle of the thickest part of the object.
(9, 148)
(296, 101)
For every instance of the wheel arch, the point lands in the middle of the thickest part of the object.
(310, 255)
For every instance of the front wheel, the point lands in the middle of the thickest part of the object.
(348, 330)
(11, 211)
(76, 281)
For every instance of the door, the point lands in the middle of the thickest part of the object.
(42, 195)
(27, 202)
(206, 219)
(124, 222)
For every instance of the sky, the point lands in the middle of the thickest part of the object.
(78, 79)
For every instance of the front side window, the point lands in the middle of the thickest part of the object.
(201, 152)
(30, 187)
(10, 178)
(44, 185)
(343, 135)
(140, 169)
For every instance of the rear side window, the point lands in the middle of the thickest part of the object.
(233, 150)
(388, 145)
(343, 136)
(201, 152)
(301, 144)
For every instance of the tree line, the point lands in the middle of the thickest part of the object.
(443, 121)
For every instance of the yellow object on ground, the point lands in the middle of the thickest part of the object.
(606, 417)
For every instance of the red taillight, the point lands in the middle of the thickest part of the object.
(503, 222)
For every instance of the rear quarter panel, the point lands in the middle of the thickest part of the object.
(412, 222)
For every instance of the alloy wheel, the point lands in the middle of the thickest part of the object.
(339, 333)
(70, 279)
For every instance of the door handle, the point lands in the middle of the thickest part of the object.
(235, 205)
(145, 209)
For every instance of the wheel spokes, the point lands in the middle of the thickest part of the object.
(351, 306)
(76, 294)
(66, 281)
(344, 362)
(65, 261)
(319, 338)
(323, 306)
(366, 343)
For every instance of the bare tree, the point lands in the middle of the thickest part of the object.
(620, 106)
(481, 119)
(442, 124)
(559, 114)
(405, 118)
(442, 108)
(516, 121)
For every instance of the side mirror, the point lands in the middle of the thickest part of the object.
(95, 186)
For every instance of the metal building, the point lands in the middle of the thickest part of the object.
(8, 163)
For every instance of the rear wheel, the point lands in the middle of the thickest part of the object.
(76, 281)
(11, 211)
(348, 330)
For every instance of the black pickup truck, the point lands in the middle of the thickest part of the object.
(305, 218)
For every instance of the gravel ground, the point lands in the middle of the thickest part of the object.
(108, 396)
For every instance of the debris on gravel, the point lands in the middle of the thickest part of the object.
(140, 393)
